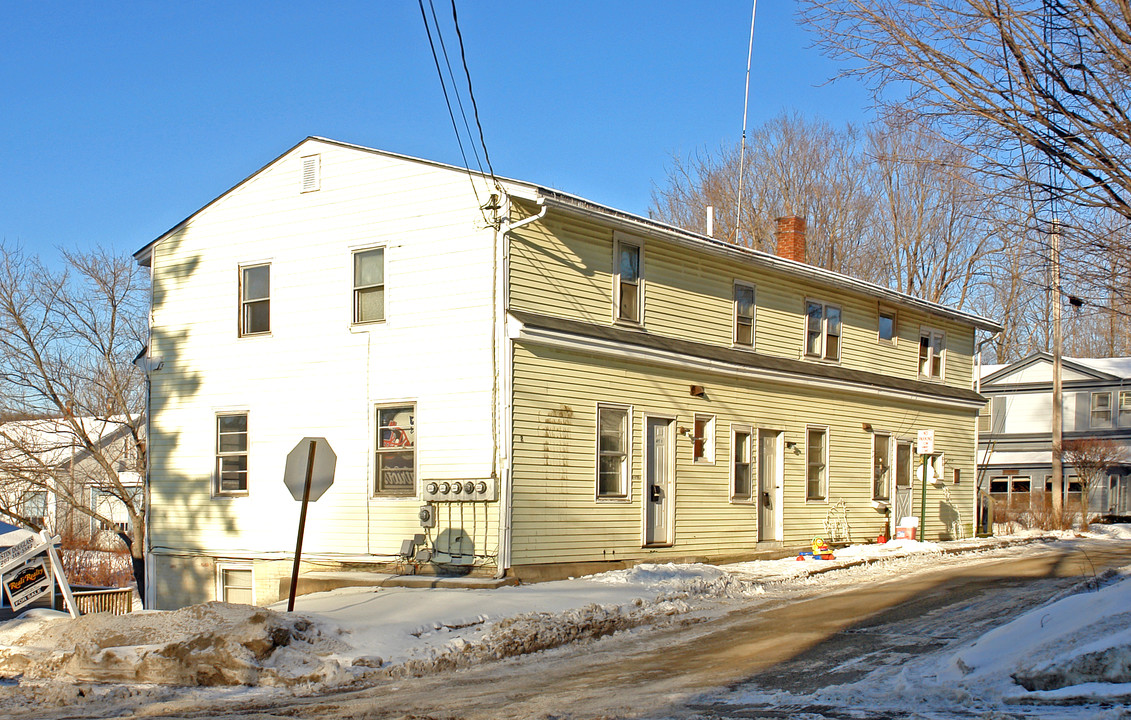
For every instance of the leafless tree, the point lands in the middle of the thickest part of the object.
(1092, 458)
(1037, 92)
(74, 400)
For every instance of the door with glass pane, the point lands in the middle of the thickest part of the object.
(904, 488)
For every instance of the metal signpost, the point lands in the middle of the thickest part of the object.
(925, 446)
(308, 474)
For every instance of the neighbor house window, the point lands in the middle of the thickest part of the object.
(816, 463)
(1101, 410)
(35, 507)
(369, 285)
(703, 443)
(932, 353)
(1124, 408)
(396, 450)
(255, 299)
(881, 466)
(231, 454)
(822, 330)
(744, 315)
(985, 418)
(742, 470)
(236, 585)
(629, 281)
(612, 452)
(886, 329)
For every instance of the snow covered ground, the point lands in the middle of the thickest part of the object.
(1077, 648)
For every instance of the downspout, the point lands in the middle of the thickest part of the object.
(505, 380)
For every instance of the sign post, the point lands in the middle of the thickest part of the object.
(925, 447)
(23, 585)
(307, 475)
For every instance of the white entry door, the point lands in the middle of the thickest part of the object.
(769, 485)
(904, 488)
(658, 468)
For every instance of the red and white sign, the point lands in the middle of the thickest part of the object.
(926, 442)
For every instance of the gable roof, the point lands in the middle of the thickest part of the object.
(573, 204)
(1101, 369)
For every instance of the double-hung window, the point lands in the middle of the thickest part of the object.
(396, 451)
(816, 463)
(1124, 408)
(255, 299)
(822, 330)
(932, 353)
(612, 452)
(1101, 410)
(369, 285)
(881, 466)
(629, 281)
(703, 444)
(744, 315)
(231, 454)
(742, 469)
(886, 330)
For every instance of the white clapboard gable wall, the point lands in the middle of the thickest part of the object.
(316, 373)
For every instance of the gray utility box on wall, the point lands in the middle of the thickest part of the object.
(460, 490)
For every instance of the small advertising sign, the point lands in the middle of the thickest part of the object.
(26, 584)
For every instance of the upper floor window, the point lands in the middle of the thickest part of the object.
(985, 417)
(231, 454)
(816, 463)
(369, 285)
(396, 450)
(629, 281)
(1124, 408)
(1101, 410)
(932, 353)
(822, 330)
(744, 315)
(886, 330)
(612, 452)
(255, 299)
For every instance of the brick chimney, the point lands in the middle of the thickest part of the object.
(791, 238)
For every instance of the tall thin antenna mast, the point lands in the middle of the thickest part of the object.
(742, 150)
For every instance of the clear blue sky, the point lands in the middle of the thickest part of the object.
(120, 119)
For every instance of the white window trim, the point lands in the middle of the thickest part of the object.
(823, 355)
(828, 476)
(628, 448)
(753, 318)
(931, 332)
(753, 458)
(708, 439)
(1092, 409)
(890, 461)
(316, 182)
(376, 440)
(1123, 406)
(618, 238)
(353, 288)
(894, 325)
(223, 566)
(216, 415)
(240, 299)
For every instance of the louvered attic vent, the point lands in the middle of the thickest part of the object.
(310, 173)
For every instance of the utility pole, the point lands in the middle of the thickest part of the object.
(1057, 402)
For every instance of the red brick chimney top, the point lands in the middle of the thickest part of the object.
(791, 238)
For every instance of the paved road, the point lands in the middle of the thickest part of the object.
(797, 640)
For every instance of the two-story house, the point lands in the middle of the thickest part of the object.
(537, 384)
(1015, 431)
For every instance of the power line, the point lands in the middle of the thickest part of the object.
(471, 94)
(455, 86)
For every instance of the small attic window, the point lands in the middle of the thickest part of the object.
(311, 173)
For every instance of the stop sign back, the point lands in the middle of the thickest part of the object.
(322, 476)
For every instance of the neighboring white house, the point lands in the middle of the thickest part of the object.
(45, 473)
(519, 381)
(1015, 429)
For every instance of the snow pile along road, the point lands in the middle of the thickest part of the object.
(210, 644)
(1077, 646)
